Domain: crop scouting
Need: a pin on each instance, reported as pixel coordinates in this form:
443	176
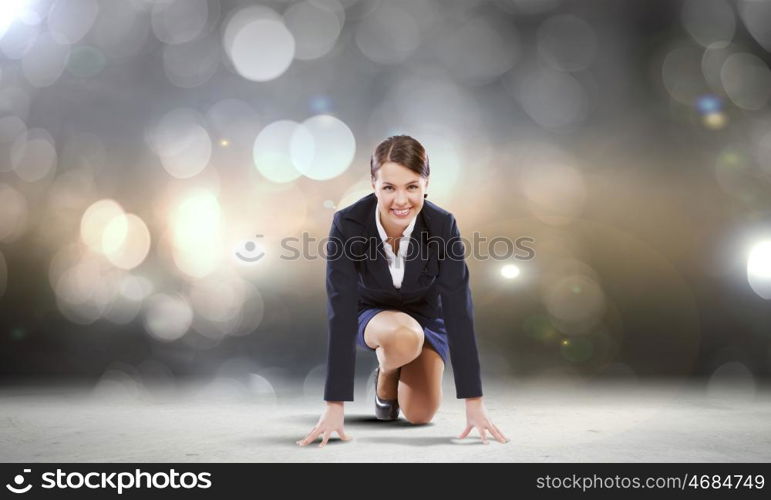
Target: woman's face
400	192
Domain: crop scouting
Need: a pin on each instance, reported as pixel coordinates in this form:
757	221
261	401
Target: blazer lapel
417	256
417	252
375	248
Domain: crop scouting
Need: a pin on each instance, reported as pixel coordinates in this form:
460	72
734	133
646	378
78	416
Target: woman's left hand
476	416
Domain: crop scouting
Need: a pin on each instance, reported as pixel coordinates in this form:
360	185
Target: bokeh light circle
191	64
167	317
70	20
567	43
271	151
389	35
34	155
126	241
315	26
181	142
747	80
709	22
553	99
261	49
179	21
323	147
95	220
45	61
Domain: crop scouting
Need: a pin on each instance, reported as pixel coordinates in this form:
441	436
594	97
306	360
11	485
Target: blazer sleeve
458	312
342	308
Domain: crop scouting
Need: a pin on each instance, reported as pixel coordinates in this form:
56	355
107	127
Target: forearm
342	306
464	354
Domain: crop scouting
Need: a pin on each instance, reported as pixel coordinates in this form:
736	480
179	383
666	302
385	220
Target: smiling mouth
400	213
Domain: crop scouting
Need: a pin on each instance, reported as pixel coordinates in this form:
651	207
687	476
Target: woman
397	284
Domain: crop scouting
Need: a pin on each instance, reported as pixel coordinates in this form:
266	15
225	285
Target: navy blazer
436	282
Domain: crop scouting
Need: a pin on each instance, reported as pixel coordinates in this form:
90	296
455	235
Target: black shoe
385	409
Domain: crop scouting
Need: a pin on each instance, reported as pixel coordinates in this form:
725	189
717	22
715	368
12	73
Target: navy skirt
433	331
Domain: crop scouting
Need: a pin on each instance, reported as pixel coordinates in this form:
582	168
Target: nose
401	199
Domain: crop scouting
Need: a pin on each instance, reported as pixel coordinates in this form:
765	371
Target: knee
418	416
403	344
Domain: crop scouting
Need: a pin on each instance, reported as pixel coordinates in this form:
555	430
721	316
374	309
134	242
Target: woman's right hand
331	420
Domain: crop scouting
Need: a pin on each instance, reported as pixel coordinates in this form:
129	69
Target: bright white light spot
510	271
196	229
759	269
759	263
10	11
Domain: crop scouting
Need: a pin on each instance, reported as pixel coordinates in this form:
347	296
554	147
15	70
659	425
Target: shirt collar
381	230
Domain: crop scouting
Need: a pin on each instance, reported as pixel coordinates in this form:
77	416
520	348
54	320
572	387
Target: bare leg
397	339
420	386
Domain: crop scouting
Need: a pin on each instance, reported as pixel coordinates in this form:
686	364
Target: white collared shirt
395	261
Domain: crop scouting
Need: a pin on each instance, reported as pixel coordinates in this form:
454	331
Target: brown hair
401	149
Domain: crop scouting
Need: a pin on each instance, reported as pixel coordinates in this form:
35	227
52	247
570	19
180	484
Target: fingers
498	434
465	431
483	435
326	438
317	431
311	437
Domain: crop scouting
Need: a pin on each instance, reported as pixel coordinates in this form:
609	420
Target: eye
414	186
388	187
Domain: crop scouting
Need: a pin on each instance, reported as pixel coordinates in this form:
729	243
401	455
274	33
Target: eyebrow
392	184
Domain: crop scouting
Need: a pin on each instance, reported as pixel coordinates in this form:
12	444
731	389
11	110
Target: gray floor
547	421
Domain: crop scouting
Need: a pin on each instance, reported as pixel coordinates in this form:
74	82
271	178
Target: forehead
396	174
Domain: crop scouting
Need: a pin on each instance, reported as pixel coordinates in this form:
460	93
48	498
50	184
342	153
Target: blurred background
150	149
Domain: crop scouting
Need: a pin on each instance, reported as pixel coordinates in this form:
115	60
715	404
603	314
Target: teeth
401	212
